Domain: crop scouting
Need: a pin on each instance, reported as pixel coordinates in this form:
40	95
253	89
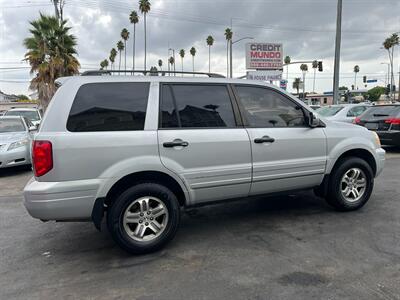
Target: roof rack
144	72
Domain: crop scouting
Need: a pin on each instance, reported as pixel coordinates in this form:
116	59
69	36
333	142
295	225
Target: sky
306	28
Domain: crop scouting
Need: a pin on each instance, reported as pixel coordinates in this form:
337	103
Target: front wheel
144	218
350	184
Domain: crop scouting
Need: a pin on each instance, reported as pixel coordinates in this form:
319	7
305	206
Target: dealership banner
264	56
267	75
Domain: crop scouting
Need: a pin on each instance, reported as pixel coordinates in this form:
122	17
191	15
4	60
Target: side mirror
313	120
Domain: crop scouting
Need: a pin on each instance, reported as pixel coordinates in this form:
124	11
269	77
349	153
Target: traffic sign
283	84
372	80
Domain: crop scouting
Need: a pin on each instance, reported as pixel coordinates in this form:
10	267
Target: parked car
342	112
15	139
385	121
32	114
140	148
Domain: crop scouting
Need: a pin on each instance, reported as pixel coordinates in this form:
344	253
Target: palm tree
296	84
356	70
287	61
160	62
58	8
304	69
228	36
134	19
182	55
120	47
125	37
113	54
314	66
210	42
171	61
193	53
144	7
388	44
153	71
104	64
51	54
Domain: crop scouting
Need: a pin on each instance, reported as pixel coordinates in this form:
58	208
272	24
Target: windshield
11	126
329	111
29	114
382	111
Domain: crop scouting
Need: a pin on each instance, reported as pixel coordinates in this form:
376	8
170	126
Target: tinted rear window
109	107
196	106
381	111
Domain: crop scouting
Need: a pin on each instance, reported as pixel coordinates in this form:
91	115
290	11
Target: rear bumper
17	157
391	138
61	201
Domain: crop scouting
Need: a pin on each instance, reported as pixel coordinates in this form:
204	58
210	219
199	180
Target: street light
230	48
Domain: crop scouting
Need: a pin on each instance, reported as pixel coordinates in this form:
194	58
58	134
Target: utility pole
230	52
337	53
230	59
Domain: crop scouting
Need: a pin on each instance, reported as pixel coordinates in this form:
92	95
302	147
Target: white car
16	134
342	112
32	114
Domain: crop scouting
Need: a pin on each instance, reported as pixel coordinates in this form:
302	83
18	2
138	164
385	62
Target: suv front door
202	140
287	154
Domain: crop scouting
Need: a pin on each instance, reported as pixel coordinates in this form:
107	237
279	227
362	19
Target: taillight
357	120
42	157
393	121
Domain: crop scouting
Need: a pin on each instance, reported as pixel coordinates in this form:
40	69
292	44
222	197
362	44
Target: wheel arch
360	153
146	176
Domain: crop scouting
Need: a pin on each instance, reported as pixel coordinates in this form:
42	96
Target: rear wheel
144	218
350	184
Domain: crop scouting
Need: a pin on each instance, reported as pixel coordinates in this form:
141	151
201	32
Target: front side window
111	106
267	108
196	106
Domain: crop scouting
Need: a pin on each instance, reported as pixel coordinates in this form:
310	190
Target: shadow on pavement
15	171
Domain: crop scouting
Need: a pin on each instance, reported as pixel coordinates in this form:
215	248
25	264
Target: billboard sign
264	56
267	75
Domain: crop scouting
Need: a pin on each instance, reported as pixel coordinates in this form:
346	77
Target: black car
384	120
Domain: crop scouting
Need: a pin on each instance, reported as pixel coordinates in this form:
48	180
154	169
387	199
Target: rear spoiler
61	80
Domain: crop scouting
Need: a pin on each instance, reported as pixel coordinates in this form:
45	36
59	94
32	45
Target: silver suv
138	149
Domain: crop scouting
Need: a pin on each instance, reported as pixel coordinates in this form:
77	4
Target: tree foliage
375	93
51	54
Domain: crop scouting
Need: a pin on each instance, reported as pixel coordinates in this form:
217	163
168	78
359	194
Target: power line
122	7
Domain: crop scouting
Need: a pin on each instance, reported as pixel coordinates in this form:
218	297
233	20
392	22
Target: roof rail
144	72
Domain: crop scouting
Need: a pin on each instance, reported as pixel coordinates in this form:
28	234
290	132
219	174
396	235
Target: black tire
120	205
334	196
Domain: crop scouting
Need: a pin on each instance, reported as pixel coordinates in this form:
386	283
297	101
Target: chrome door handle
175	144
264	139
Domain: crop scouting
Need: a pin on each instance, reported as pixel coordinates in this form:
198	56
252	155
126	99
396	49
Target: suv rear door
201	138
287	154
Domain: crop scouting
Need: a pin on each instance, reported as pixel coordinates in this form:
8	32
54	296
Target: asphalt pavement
288	247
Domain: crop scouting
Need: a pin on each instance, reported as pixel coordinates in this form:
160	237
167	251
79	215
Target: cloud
305	27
